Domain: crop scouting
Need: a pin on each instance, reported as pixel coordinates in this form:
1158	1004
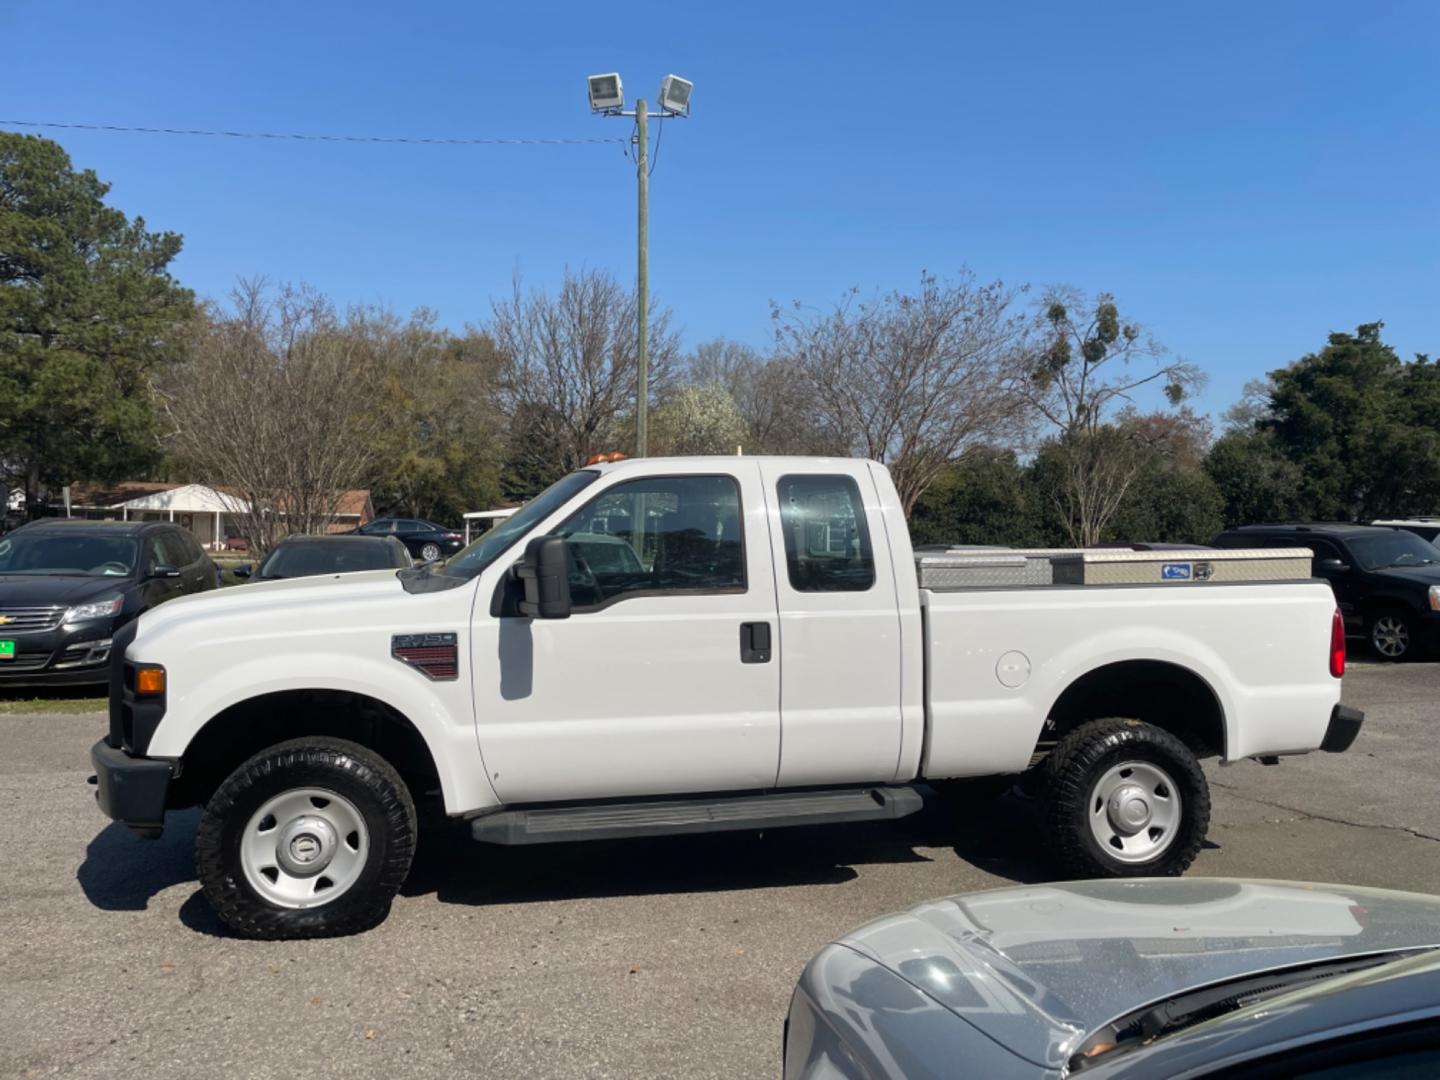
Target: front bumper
1343	728
75	654
131	790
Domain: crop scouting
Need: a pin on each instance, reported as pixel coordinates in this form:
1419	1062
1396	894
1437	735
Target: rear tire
309	838
430	552
1124	799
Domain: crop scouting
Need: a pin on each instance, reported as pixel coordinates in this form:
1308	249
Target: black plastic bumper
1344	726
130	789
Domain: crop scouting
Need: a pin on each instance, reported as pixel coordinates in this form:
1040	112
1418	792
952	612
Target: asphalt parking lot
641	959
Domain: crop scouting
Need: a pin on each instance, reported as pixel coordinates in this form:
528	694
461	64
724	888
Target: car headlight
96	609
1435	597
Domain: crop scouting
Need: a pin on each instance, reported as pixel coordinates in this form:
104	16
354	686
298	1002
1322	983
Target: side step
709	813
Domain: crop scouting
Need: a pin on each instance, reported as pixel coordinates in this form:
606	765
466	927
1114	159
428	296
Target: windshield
475	558
68	555
1397	548
307	558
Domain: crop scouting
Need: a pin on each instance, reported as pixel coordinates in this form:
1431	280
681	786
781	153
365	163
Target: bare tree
1090	364
911	380
571	366
771	393
275	407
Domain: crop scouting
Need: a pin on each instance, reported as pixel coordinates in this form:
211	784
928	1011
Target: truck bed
998	657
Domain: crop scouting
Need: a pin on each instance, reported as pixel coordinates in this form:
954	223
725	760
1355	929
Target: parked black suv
66	586
1386	580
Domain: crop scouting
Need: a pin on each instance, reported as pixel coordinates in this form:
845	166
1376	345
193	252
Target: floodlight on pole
607	98
607	95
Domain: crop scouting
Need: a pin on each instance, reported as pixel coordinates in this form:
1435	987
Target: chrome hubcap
1390	636
1134	811
304	847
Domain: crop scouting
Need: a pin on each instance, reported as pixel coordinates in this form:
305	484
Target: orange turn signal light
601	459
150	680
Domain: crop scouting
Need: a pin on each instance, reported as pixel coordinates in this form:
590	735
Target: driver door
646	689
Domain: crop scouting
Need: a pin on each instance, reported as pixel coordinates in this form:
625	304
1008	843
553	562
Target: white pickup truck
680	645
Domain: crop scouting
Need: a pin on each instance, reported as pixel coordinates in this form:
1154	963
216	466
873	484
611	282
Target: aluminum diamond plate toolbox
1181	567
944	569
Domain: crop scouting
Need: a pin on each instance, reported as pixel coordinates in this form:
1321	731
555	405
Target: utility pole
642	279
607	98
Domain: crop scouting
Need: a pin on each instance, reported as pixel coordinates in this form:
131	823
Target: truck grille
29	620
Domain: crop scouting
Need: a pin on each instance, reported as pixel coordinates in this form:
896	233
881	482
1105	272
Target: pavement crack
1326	817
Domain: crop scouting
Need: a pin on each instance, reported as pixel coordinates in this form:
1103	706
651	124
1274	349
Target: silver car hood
1038	968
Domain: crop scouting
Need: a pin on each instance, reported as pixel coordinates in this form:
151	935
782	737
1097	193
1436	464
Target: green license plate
7	650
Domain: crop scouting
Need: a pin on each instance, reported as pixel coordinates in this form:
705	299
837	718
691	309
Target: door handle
755	643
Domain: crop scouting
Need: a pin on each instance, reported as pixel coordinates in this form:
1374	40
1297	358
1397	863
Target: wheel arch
246	727
1165	694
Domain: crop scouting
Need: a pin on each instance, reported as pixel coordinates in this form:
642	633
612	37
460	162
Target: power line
310	138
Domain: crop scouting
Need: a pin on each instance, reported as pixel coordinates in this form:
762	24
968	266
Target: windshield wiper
1193	1007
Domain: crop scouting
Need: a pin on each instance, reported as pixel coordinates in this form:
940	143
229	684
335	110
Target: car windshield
475	558
1397	548
305	559
68	555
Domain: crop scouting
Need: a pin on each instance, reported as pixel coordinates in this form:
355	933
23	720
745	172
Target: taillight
1337	645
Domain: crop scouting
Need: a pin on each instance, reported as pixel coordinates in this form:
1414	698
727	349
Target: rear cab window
827	540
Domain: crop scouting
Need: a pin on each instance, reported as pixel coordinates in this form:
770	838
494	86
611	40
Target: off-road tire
338	765
1077	764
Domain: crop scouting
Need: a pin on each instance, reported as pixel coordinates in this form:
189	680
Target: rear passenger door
840	698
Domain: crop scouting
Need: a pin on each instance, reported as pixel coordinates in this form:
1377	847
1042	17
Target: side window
1323	550
190	552
676	534
160	551
827	543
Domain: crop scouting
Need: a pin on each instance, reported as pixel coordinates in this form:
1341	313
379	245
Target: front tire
309	838
1124	799
1389	635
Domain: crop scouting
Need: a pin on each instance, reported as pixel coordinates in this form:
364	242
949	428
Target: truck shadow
121	872
998	839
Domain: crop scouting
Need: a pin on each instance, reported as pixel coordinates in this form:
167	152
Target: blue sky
1244	177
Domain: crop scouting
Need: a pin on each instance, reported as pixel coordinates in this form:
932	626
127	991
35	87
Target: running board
710	813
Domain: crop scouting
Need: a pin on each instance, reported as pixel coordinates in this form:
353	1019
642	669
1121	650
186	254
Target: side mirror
164	570
545	572
242	571
1332	566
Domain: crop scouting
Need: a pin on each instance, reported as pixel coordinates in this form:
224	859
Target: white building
214	516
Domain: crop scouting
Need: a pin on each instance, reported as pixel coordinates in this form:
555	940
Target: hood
1037	969
284	598
1420	575
43	590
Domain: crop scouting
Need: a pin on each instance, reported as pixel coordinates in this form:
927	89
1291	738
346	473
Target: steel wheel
1390	636
304	847
430	552
1134	811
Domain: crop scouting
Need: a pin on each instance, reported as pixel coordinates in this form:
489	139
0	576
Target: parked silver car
1141	978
